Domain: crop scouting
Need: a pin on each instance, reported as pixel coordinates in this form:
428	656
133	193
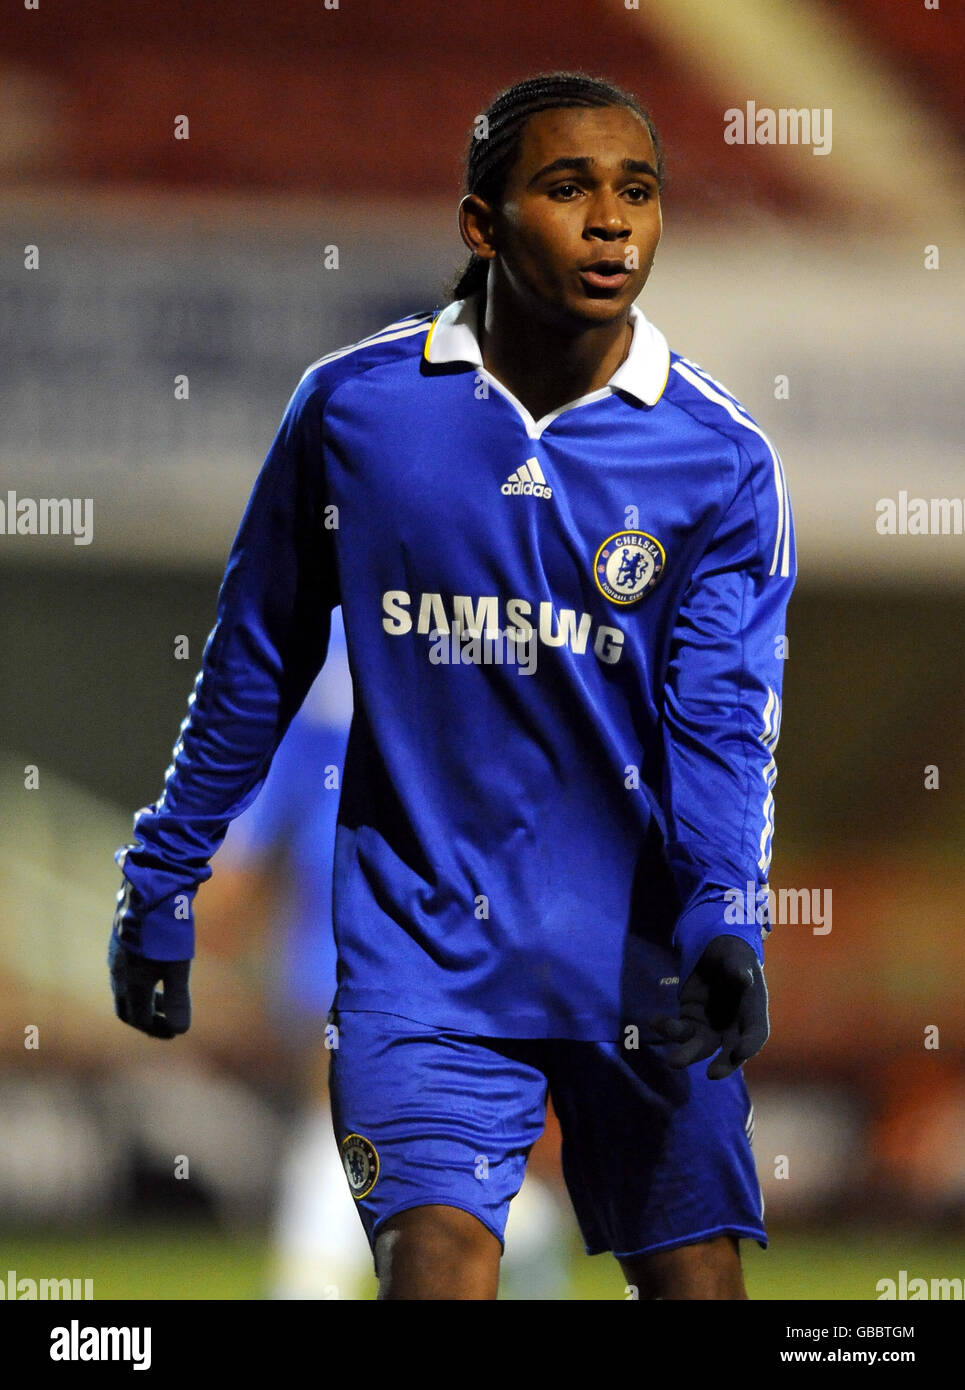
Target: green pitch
197	1264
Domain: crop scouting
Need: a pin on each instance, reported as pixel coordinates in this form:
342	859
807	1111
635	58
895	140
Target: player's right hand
161	1013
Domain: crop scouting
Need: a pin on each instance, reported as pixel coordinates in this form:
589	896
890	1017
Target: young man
544	828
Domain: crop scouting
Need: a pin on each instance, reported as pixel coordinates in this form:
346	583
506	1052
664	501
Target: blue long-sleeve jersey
566	645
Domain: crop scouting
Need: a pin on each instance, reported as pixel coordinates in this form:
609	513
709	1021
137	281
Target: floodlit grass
147	1263
191	1263
839	1266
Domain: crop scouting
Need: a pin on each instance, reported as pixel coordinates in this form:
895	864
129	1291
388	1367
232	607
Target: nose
607	217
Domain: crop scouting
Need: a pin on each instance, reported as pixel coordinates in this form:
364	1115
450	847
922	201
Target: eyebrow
584	164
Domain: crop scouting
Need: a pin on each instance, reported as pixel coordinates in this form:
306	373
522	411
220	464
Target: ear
476	226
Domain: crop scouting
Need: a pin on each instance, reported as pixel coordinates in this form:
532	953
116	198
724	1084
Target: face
580	221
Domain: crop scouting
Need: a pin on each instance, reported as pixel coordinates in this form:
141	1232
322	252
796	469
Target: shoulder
760	485
396	342
709	405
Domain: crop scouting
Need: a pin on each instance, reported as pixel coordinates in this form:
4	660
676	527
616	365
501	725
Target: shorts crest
361	1163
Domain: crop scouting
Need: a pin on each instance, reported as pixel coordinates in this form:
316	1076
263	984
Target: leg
436	1252
434	1129
658	1160
709	1269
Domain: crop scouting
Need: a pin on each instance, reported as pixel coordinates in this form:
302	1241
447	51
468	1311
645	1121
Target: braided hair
491	157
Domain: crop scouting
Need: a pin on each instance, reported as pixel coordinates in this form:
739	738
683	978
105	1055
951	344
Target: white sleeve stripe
772	720
785	560
383	336
712	380
780	484
780	514
767	833
769	737
769	709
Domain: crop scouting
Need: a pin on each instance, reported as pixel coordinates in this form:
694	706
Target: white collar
643	373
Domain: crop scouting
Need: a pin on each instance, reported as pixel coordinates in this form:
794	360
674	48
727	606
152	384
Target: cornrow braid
492	155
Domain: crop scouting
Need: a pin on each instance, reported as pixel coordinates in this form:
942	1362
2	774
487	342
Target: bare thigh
708	1269
436	1252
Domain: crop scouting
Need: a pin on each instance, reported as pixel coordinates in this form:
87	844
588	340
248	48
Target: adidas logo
527	481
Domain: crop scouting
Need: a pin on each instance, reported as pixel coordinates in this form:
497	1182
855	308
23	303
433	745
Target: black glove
162	1013
723	1004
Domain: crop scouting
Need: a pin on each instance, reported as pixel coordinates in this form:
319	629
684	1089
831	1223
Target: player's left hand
723	1006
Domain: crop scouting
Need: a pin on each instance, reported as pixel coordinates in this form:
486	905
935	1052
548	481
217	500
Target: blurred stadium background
312	128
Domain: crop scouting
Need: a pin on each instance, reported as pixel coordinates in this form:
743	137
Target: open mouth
606	276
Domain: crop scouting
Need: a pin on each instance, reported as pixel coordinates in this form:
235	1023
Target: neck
546	364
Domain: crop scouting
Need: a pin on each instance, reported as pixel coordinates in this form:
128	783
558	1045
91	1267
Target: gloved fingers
138	996
159	1012
727	1061
702	1045
751	1040
160	1028
737	1048
135	997
694	998
175	1003
674	1029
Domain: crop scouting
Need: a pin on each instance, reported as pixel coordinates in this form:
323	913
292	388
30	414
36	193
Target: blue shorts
652	1157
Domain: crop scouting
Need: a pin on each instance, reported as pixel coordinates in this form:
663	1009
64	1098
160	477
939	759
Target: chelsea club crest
361	1164
627	565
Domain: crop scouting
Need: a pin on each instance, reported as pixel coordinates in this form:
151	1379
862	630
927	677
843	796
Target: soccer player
563	554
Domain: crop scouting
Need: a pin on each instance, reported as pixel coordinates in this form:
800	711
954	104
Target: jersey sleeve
315	741
722	712
266	824
268	643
